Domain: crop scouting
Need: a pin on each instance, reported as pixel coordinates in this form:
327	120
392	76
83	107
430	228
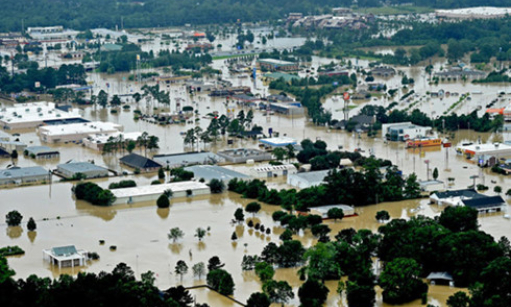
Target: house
453	198
71	169
307	179
270	171
4	154
152	192
487	204
41	152
22	175
141	163
383	71
188	158
403	131
210	172
274	65
323	210
65	256
431	185
244	155
289	108
440	278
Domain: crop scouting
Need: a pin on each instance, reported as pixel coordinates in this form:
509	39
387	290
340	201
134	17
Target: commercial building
41	152
210	172
478	151
278	142
293	108
403	131
277	75
75	132
152	192
244	155
270	171
141	163
323	210
188	158
307	179
13	145
488	204
431	185
98	141
89	170
4	136
65	256
273	65
470	198
34	114
480	12
56	34
383	71
23	175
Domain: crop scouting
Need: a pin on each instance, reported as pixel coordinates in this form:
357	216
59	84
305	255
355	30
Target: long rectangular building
75	132
32	115
152	192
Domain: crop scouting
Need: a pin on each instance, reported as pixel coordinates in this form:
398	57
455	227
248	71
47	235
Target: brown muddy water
140	231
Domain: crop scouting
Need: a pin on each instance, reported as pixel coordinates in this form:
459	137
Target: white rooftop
35	112
486	148
480	10
104	137
266	168
280	141
159	189
80	128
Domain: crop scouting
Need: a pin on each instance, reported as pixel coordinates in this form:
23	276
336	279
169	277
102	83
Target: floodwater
140	231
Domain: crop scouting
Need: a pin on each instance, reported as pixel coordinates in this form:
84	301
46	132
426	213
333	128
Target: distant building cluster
340	18
480	12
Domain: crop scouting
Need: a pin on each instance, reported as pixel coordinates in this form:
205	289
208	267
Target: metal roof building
21	175
41	152
71	169
31	115
142	163
307	179
185	159
209	172
152	192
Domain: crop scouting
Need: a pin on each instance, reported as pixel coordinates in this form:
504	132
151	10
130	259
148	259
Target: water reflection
163	213
14	232
32	235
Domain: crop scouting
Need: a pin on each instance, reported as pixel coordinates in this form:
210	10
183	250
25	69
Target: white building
97	141
75	132
307	179
65	256
323	210
480	150
278	142
34	114
270	171
152	192
403	131
432	185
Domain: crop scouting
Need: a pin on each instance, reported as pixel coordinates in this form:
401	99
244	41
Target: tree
320	230
199	269
459	219
221	281
163	201
458	299
148	278
13	218
216	186
279	153
253	208
335	213
181	268
435	173
214	263
264	271
382	216
103	99
494	289
497	189
234	236
400	281
279	292
312	293
286	235
5	272
412	187
116	101
258	299
239	216
31	225
200	233
175	234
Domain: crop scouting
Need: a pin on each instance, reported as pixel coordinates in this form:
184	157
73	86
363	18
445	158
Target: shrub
13	218
163	201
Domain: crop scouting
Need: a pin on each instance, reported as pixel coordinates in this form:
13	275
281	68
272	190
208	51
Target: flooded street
140	231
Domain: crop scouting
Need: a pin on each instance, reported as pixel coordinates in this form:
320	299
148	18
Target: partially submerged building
210	172
65	256
23	175
152	192
469	198
403	131
274	65
307	179
323	210
34	114
188	158
141	163
41	152
76	132
245	155
71	169
270	171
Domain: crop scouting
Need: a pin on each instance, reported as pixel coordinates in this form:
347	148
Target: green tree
221	281
412	187
31	225
335	213
13	218
312	293
234	236
382	216
435	173
5	272
279	292
264	271
253	208
116	101
175	234
163	201
400	281
216	186
494	289
102	99
161	173
200	233
199	269
497	189
239	216
258	299
459	219
279	153
286	235
214	263
181	268
458	299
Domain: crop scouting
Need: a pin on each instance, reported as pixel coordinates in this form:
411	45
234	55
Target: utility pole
427	169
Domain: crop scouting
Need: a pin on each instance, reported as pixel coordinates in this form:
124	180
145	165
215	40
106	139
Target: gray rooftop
64	250
20	172
312	177
80	167
209	172
184	159
36	150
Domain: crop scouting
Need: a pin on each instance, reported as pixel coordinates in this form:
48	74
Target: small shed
65	256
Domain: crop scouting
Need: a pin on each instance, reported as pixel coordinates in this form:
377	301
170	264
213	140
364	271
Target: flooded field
139	231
